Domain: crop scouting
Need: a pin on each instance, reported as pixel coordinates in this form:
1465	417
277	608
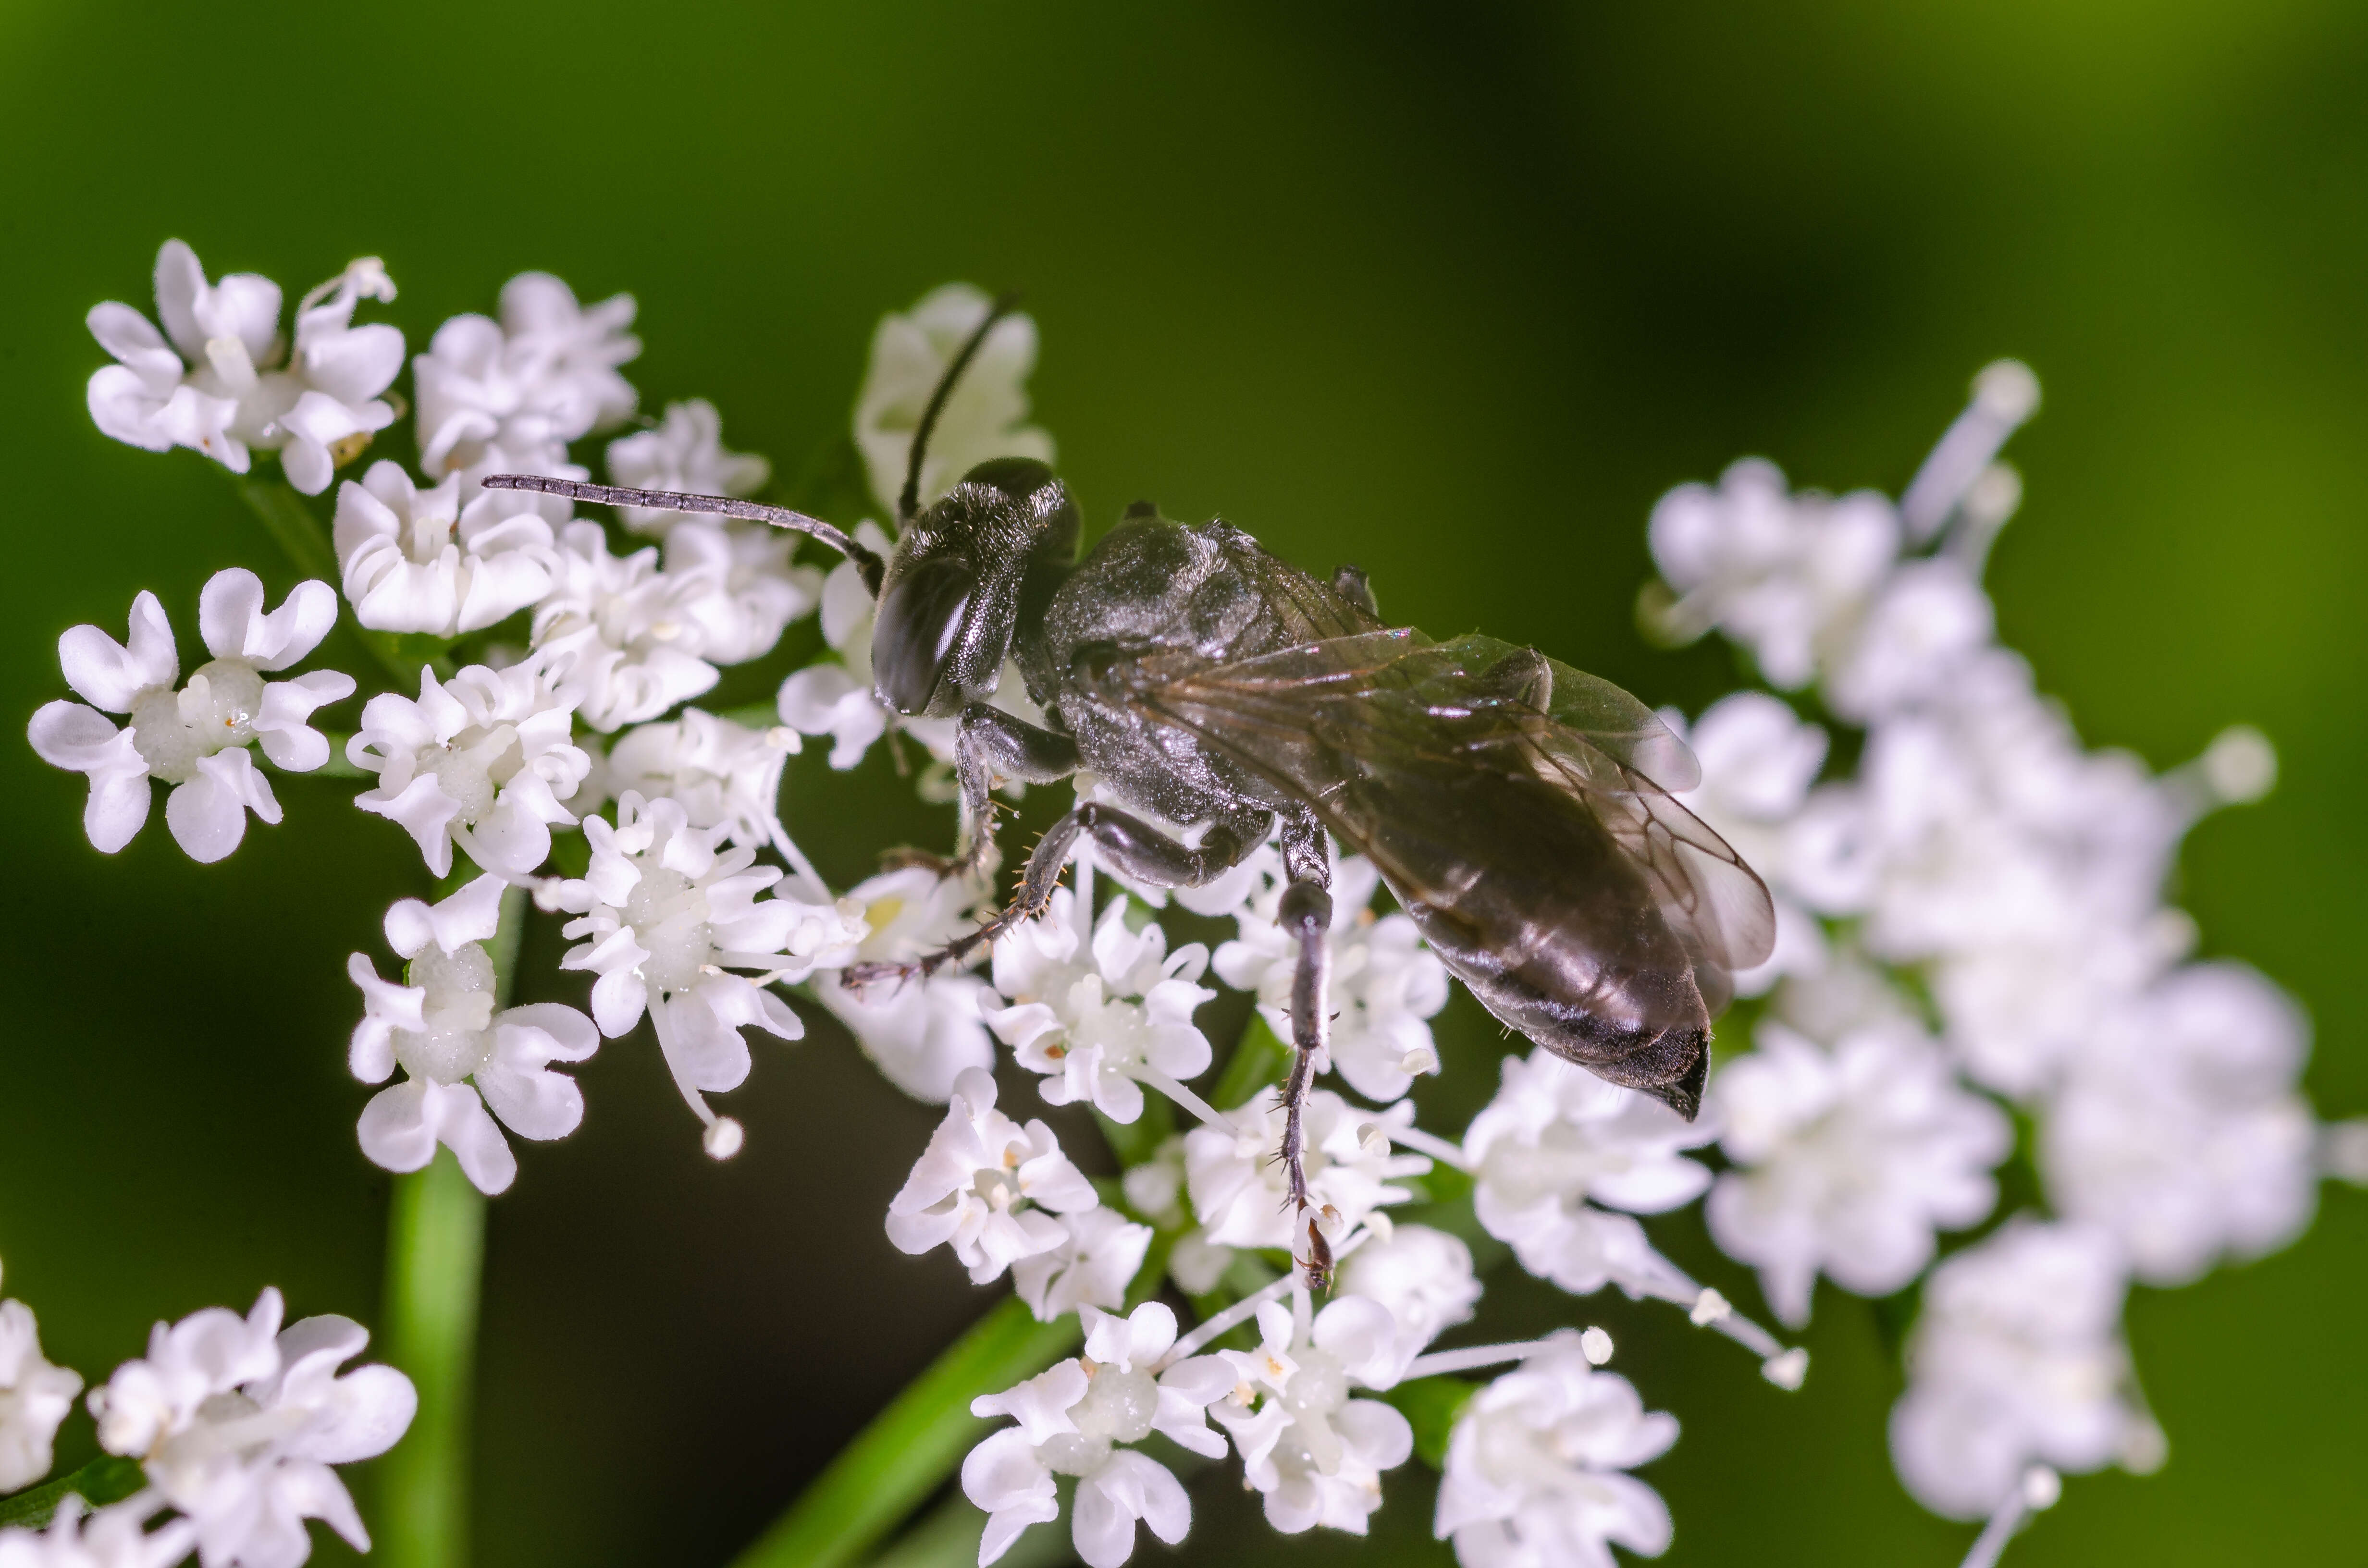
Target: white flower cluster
236	1424
1976	911
552	661
1974	914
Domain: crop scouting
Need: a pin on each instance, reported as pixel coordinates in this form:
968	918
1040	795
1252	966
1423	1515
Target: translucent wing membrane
1520	808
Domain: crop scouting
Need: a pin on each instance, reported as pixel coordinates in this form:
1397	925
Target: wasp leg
992	742
1307	914
1136	848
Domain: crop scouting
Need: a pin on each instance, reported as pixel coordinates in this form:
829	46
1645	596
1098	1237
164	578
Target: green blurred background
1454	292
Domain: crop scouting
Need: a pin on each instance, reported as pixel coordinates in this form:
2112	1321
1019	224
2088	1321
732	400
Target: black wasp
1517	808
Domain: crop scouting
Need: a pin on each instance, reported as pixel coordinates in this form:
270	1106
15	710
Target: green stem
436	1253
104	1480
910	1448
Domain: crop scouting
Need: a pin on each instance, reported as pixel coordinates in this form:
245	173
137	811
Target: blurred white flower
1092	1266
2178	1129
983	416
1927	623
619	635
1316	1453
2018	1357
417	561
988	1187
1536	1471
1784	576
545	374
441	1029
221	385
116	1537
1096	1018
1422	1278
1238	1185
739	589
685	451
195	737
1383	983
481	761
237	1422
1073	1419
924	1034
1848	1161
35	1396
1557	1137
665	913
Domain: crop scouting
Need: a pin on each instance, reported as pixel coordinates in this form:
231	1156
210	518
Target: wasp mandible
1517	809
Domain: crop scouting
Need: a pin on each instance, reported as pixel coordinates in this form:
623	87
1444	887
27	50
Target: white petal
108	676
208	814
394	1130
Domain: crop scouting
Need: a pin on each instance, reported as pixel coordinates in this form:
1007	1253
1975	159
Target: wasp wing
1516	806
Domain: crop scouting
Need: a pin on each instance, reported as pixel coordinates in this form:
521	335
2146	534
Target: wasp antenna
909	500
866	562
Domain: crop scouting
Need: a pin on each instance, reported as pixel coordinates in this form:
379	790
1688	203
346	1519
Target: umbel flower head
419	560
193	736
225	383
1536	1471
237	1422
988	1187
542	376
982	419
481	761
664	912
460	1057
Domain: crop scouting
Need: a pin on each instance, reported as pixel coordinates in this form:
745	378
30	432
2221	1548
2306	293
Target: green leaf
1430	1406
104	1480
911	1448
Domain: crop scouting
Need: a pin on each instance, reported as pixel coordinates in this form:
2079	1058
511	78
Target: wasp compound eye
923	608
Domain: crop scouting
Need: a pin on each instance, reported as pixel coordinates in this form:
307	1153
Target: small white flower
481	761
665	913
982	419
1536	1472
1783	576
1075	1419
454	1048
620	635
1238	1187
1848	1161
724	774
1092	1268
988	1187
35	1396
1557	1136
1314	1453
925	1034
684	452
226	391
545	374
1383	982
237	1422
1091	1017
739	588
2178	1130
2018	1357
194	738
418	560
1422	1278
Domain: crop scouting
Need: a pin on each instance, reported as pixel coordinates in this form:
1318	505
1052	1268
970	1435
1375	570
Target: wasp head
996	545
